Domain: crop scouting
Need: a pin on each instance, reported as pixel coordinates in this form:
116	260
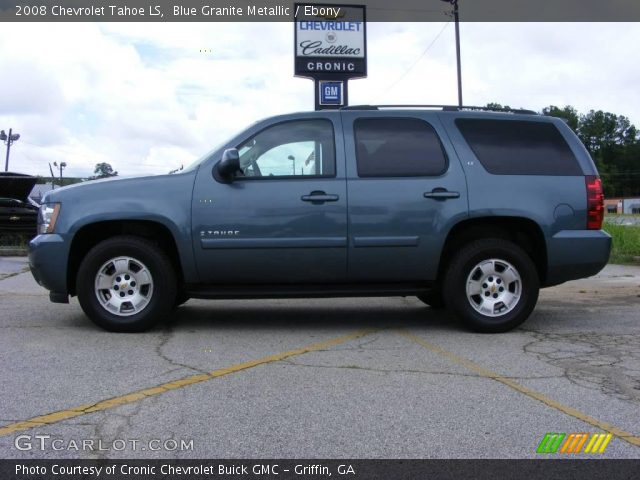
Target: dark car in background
18	216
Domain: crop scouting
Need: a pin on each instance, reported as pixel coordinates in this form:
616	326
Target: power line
419	58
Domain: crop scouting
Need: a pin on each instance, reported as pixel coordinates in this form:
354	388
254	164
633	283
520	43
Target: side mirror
229	164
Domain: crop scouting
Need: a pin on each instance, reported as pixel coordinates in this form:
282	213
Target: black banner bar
284	11
271	469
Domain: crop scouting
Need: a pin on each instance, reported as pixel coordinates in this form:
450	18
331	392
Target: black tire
463	265
160	299
433	298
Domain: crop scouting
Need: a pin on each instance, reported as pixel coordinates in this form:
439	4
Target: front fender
162	199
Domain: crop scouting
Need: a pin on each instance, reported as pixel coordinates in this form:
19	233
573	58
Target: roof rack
444	108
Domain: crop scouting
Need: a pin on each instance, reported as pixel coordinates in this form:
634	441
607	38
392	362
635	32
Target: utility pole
8	141
53	183
456	19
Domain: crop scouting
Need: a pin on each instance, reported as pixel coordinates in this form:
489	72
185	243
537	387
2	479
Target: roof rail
444	108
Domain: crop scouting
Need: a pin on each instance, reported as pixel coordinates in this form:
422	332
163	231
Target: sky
149	97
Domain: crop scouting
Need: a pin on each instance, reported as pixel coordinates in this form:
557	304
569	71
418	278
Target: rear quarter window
516	147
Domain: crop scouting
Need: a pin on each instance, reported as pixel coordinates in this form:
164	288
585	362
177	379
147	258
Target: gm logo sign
331	92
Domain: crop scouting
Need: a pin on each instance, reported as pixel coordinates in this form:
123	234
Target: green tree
612	141
497	106
568	113
104	170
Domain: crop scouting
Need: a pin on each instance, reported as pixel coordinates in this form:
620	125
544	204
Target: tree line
101	170
614	144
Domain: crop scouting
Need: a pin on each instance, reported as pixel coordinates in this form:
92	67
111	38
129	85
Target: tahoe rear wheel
126	284
491	285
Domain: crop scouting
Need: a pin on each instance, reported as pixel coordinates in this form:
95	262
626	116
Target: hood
94	188
16	185
55	195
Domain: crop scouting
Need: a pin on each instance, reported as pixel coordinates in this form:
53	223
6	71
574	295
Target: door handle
319	197
441	194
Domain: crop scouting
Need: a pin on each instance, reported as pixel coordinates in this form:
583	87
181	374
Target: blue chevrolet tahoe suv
464	208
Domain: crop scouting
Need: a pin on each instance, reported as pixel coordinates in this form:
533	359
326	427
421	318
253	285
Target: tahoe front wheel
126	284
491	285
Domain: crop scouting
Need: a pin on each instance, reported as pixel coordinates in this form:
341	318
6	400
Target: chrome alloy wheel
124	286
494	287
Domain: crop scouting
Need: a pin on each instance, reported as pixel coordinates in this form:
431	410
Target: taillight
595	202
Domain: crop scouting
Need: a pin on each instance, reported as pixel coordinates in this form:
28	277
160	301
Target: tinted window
298	148
511	147
397	147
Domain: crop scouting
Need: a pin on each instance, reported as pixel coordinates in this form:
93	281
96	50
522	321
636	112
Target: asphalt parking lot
336	378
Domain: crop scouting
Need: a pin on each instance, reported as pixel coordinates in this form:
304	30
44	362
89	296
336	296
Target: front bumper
574	254
48	256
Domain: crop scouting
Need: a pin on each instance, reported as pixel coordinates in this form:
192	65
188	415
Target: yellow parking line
484	372
55	417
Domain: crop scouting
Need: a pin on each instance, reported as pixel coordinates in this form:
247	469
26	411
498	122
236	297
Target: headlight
47	216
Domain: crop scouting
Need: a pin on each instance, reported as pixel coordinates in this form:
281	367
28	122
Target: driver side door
283	218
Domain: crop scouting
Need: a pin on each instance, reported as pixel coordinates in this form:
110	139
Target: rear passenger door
406	189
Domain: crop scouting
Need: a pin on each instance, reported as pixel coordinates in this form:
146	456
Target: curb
13	252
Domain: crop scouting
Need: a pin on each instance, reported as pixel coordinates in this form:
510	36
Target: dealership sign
330	41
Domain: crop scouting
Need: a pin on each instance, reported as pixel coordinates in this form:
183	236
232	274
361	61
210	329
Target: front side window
300	148
397	147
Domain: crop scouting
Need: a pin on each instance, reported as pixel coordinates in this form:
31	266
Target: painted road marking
484	372
61	415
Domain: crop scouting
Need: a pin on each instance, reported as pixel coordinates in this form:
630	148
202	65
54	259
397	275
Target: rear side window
397	147
513	147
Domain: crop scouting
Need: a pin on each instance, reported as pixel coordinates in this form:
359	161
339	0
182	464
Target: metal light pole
8	141
293	159
62	165
457	22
